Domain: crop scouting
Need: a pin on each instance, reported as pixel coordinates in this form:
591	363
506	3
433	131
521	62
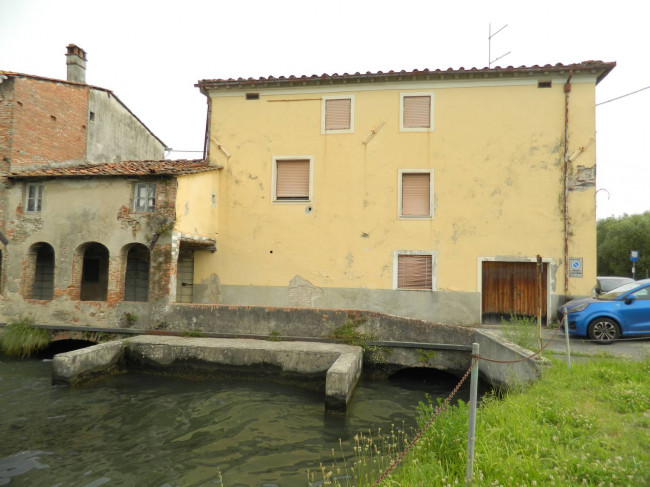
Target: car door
636	314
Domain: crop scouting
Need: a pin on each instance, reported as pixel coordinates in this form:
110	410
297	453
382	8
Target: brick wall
49	122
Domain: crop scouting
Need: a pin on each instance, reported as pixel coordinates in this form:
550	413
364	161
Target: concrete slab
339	364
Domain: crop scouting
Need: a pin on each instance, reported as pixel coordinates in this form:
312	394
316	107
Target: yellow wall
197	205
496	152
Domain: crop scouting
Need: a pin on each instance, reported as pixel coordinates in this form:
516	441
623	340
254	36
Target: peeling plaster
303	293
583	178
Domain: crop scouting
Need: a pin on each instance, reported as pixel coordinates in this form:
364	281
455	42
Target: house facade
427	194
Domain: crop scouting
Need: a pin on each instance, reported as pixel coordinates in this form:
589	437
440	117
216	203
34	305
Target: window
145	197
414	193
34	200
292	179
337	114
416	110
414	270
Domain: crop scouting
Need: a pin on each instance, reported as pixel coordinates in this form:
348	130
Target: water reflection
158	431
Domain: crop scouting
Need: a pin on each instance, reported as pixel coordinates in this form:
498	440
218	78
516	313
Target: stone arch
136	272
91	271
38	278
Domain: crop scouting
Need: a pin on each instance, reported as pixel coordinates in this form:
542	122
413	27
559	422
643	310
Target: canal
146	430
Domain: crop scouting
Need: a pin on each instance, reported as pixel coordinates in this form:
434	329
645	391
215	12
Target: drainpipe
567	90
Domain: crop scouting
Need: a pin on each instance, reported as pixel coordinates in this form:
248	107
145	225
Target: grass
521	330
20	339
589	425
348	334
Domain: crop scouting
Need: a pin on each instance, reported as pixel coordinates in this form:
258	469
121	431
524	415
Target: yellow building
426	194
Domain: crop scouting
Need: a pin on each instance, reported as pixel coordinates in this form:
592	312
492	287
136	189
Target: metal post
471	426
566	337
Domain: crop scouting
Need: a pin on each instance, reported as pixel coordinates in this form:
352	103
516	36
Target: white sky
151	53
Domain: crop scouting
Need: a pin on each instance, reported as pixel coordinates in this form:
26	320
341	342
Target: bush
21	339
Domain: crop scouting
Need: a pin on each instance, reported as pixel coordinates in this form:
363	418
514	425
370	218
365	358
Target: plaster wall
496	154
115	134
197	204
76	212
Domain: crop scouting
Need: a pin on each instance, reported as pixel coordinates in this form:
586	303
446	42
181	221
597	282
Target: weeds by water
20	339
349	334
585	426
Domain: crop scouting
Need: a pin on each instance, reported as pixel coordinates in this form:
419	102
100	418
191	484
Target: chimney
76	62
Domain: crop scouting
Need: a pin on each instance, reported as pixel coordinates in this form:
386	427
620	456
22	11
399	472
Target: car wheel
603	330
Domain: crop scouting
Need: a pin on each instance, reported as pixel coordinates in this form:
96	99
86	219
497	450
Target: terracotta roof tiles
125	168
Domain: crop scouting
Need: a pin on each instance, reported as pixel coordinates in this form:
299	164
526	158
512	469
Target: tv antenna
490	36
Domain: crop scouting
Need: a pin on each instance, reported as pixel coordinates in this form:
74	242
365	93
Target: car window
607	285
643	294
619	291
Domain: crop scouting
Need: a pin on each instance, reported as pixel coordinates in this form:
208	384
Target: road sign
634	255
575	267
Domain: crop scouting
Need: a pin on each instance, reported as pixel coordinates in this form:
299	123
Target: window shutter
417	112
414	271
415	194
292	180
337	114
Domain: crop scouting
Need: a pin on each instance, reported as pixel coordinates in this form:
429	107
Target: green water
145	430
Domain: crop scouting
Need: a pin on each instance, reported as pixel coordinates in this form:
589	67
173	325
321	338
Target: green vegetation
21	339
130	318
521	330
348	334
275	336
585	426
425	355
616	237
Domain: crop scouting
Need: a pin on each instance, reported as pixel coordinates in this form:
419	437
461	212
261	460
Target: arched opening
136	277
41	263
94	273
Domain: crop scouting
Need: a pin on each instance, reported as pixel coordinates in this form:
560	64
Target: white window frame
274	179
400	173
39	199
146	209
402	128
323	113
433	255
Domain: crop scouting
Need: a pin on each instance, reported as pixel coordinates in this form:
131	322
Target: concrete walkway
340	365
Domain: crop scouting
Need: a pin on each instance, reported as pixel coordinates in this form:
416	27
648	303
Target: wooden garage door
511	288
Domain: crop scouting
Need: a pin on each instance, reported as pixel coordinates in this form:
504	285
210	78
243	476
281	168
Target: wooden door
511	288
185	277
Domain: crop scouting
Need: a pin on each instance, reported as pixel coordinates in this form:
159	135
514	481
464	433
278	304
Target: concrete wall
115	134
496	158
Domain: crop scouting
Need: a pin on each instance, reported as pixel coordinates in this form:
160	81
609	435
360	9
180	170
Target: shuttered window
338	114
292	179
417	111
414	271
416	197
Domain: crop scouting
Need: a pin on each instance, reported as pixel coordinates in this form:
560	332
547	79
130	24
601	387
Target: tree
616	237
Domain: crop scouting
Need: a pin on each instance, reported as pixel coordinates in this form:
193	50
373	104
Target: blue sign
634	255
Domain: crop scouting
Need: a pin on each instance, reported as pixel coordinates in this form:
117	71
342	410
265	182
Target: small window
292	179
415	190
414	270
145	197
416	112
544	84
252	96
338	114
34	198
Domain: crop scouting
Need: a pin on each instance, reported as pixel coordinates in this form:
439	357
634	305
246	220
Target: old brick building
87	203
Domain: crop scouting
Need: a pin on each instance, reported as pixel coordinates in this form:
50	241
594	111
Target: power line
622	96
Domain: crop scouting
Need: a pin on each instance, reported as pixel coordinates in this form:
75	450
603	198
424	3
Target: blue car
622	312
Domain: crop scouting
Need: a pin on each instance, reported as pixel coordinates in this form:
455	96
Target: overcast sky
151	53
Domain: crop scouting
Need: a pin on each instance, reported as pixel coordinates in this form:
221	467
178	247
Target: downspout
567	90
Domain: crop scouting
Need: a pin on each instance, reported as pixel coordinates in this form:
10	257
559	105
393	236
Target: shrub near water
21	339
